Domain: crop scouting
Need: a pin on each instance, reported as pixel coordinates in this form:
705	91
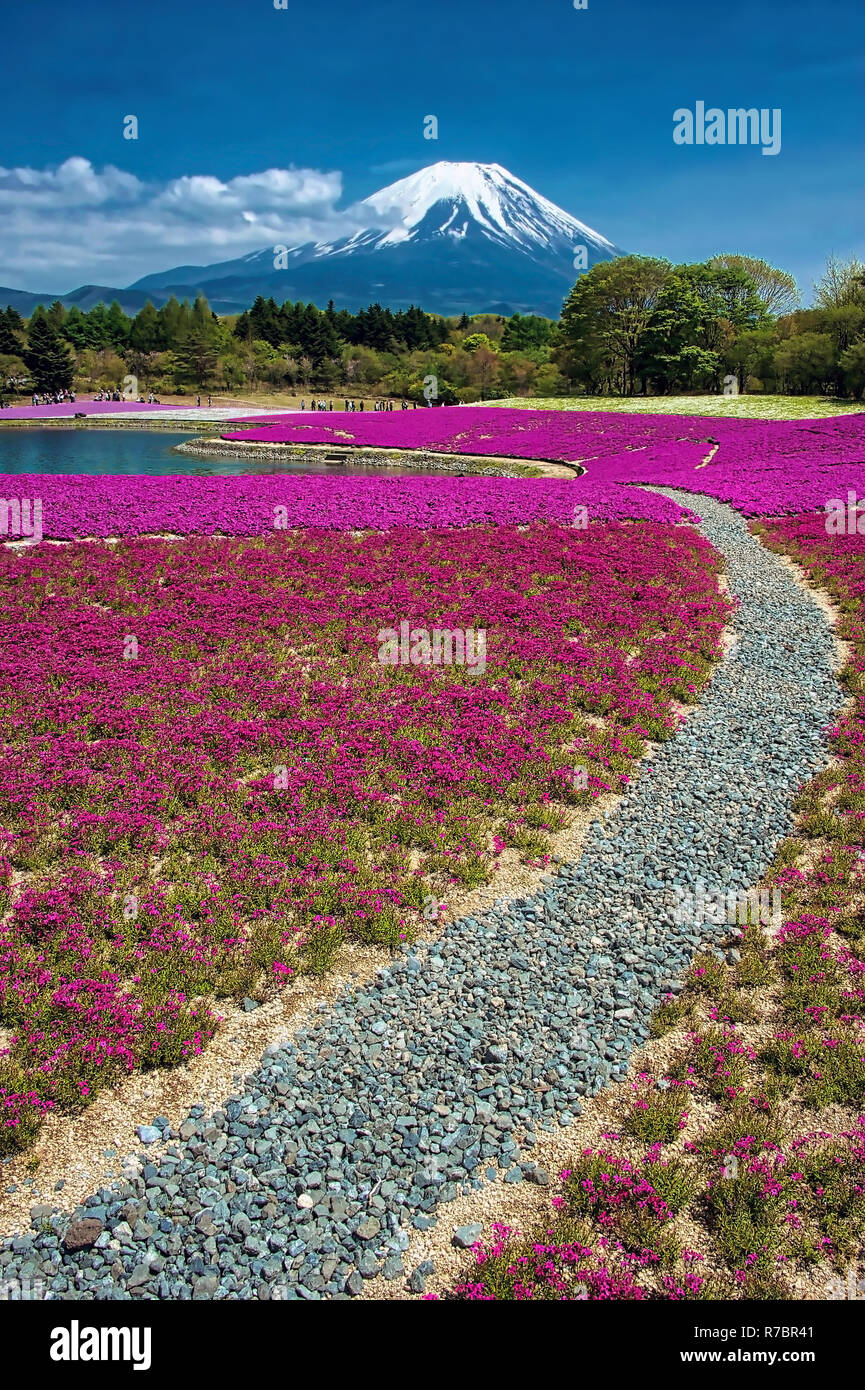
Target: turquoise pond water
61	449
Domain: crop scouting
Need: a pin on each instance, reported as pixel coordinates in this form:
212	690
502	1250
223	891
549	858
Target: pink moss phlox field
837	563
760	467
208	814
105	505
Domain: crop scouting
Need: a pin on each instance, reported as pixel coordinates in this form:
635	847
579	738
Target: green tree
74	329
477	340
752	355
98	329
843	282
607	316
852	363
806	362
197	352
694	323
46	356
119	325
526	334
10	342
146	330
776	289
172	321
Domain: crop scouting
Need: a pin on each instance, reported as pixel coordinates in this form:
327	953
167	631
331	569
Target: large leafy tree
607	317
526	333
776	289
852	363
842	283
806	363
697	317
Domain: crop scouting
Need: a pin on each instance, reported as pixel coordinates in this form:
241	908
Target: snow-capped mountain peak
498	203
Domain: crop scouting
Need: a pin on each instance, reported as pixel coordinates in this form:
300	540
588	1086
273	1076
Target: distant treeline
633	324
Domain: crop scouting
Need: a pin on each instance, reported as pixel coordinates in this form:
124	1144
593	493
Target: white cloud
73	224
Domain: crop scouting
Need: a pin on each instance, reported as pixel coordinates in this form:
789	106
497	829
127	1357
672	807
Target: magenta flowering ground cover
760	467
210	780
247	506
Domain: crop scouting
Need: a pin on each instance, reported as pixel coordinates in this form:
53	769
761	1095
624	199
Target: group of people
352	405
54	397
61	398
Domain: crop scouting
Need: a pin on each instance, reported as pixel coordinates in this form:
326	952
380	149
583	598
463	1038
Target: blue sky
577	103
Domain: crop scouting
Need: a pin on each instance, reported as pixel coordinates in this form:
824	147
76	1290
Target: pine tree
118	326
170	317
46	356
145	333
10	343
98	329
197	353
243	328
74	330
265	320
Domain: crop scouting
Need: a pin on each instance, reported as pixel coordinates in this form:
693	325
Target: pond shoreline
426	459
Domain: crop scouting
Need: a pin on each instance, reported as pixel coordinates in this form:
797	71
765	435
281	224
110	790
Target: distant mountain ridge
452	238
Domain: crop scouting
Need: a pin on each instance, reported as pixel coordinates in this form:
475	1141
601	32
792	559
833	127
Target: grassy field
741	407
745	407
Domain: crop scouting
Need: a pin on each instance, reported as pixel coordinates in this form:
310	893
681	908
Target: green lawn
747	407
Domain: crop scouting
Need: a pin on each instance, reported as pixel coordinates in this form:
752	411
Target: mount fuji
452	238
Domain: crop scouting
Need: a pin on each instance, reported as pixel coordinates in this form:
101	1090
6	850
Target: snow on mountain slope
504	207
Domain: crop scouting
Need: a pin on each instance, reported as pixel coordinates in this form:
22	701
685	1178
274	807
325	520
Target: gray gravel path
416	1088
